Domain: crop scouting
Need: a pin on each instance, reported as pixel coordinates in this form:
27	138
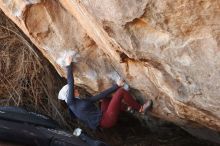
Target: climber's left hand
68	60
120	82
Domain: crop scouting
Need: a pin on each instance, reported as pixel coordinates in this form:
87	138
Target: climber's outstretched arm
104	94
70	80
108	91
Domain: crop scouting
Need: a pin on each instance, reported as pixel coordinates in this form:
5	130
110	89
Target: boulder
167	51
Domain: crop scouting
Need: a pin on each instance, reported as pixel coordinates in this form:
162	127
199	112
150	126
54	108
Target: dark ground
130	132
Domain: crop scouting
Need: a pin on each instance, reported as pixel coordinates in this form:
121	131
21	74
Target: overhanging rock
168	50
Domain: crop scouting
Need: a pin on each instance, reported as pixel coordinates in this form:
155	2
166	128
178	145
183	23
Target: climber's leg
110	116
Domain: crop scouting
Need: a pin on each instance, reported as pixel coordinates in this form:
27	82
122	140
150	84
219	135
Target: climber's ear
76	92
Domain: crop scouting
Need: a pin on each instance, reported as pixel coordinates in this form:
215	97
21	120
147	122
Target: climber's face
76	92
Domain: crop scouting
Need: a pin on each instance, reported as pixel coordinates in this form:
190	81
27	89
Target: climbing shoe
146	106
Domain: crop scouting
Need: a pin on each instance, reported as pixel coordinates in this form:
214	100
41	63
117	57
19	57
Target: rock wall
169	51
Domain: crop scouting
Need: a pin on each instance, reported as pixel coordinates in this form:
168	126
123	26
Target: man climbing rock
85	109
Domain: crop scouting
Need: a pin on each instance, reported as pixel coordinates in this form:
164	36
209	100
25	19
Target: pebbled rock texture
169	51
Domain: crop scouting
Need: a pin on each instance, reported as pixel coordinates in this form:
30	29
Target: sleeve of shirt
104	93
73	116
70	82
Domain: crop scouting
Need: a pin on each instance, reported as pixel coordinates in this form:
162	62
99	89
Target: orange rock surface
169	51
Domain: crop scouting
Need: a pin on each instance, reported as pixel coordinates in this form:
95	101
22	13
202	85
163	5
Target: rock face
169	50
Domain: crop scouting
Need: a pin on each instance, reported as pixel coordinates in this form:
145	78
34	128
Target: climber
85	109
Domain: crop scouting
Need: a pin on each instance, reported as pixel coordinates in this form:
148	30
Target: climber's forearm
70	81
104	93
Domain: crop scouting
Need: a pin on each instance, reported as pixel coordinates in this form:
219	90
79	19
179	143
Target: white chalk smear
90	74
33	1
64	54
114	76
